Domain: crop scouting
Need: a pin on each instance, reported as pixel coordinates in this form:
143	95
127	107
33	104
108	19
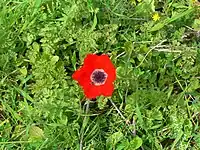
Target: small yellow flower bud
156	17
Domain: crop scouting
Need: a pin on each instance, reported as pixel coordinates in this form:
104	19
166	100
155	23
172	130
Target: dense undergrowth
155	104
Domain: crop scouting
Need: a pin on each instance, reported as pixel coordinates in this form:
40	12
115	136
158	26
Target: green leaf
23	71
24	94
114	139
151	4
196	24
54	59
35	133
36	46
128	46
74	60
135	143
157	27
102	101
139	115
179	15
36	7
194	84
95	20
180	134
157	115
160	25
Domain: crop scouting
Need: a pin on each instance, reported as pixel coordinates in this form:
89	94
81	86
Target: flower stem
85	121
126	120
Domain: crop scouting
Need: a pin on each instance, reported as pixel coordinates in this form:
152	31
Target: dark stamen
98	77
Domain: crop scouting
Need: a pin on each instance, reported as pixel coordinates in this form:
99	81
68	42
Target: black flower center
98	77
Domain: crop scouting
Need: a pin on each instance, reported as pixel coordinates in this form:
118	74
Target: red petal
82	75
90	59
104	62
92	91
108	89
77	74
88	65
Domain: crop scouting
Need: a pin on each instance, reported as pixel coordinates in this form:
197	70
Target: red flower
96	76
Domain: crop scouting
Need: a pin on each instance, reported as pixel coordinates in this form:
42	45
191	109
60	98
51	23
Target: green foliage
155	104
